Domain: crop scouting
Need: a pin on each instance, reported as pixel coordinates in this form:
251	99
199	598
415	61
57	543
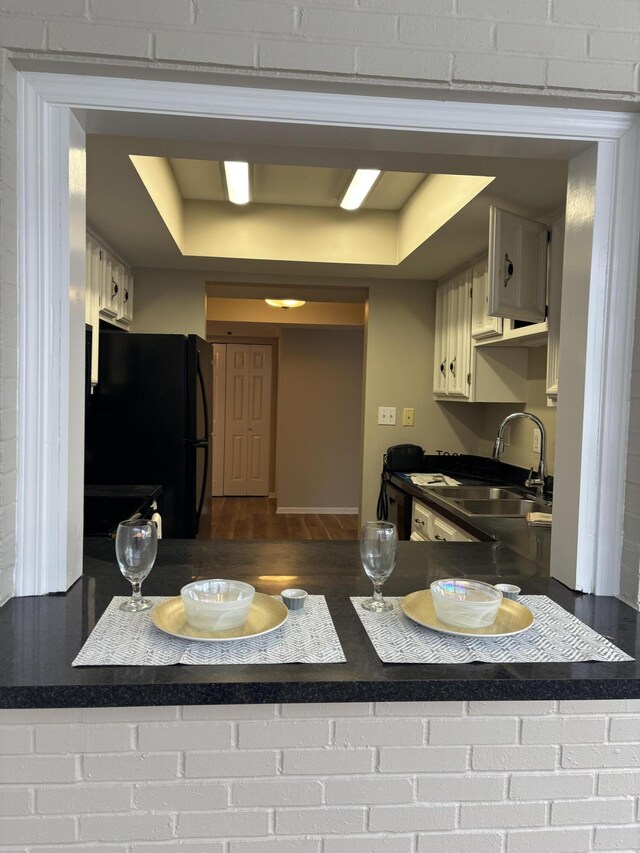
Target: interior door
236	419
218	418
247	419
259	421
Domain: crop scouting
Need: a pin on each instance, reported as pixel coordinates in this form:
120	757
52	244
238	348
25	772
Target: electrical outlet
407	417
387	415
536	440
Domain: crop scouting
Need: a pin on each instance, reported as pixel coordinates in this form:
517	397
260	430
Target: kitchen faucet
539	480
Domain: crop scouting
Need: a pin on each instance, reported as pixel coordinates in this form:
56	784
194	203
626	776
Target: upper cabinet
480	358
453	337
483	325
517	275
108	295
462	370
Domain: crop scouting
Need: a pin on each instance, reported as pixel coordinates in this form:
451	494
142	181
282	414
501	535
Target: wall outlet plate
536	440
387	415
407	417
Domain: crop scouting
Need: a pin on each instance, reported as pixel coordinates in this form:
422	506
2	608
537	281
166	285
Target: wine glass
136	548
378	551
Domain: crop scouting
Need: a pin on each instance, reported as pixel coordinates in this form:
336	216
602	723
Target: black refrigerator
149	421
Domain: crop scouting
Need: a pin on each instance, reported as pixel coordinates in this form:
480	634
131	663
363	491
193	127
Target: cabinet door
556	254
421	520
517	266
482	324
110	286
440	363
125	317
442	530
459	336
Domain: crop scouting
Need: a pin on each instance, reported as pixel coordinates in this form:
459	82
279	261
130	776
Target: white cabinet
108	295
428	524
556	254
453	337
112	281
462	370
125	313
483	325
517	266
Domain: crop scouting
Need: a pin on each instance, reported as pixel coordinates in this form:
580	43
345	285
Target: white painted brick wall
118	786
231	790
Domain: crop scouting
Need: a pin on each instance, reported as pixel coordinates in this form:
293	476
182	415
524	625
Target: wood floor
255	518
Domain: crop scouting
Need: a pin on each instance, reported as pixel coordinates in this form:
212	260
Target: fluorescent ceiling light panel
237	177
359	188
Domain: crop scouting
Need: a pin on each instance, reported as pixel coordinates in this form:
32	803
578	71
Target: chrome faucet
538	481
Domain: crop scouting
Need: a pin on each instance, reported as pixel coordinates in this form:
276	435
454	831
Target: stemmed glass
378	551
136	548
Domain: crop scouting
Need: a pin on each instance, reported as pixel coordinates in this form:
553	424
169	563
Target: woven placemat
555	637
131	639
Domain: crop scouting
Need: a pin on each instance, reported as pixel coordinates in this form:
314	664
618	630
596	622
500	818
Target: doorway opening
387	134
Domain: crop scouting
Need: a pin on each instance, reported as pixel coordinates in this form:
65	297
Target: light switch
407	417
387	415
536	440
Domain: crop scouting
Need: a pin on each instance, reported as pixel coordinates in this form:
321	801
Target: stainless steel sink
482	493
504	508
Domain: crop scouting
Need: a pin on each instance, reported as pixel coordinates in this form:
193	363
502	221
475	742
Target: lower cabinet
399	511
428	524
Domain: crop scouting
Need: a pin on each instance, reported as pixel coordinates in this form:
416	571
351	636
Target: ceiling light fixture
285	303
359	188
237	177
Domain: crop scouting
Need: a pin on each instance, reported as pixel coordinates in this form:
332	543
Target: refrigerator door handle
203	442
203	488
205	402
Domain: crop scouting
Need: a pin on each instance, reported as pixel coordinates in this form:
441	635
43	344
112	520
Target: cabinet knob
115	287
126	296
452	366
440	538
419	521
442	367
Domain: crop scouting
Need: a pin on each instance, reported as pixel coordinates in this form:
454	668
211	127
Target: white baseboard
317	510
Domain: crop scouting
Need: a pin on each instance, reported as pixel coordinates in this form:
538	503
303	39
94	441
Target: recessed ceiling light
285	303
359	188
237	178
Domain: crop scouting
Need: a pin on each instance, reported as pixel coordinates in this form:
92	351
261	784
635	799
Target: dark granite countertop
40	636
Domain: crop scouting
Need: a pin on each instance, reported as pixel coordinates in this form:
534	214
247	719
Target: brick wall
394	778
450	777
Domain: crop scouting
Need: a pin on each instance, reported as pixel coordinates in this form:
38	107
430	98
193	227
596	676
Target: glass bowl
465	603
218	604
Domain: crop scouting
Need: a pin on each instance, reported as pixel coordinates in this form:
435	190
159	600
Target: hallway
255	518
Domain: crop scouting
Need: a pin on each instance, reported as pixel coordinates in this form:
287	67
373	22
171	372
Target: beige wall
166	301
319	413
399	372
521	450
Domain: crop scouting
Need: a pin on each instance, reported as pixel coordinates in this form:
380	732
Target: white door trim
45	100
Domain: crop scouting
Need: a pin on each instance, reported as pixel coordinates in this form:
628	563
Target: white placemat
131	639
555	637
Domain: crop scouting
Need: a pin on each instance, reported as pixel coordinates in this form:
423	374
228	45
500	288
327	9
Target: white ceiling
530	179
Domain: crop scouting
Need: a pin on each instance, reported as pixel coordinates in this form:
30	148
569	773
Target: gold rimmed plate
266	614
512	618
